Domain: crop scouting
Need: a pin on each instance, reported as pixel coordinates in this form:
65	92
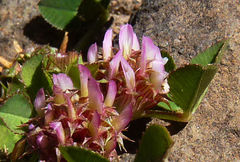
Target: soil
184	28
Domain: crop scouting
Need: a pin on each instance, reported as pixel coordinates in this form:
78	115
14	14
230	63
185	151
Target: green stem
174	116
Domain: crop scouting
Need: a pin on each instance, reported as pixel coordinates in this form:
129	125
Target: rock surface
185	28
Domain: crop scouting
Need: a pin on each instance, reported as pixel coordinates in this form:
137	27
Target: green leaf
154	145
16	111
75	154
188	84
170	65
211	55
171	107
93	68
29	69
74	74
59	12
14	87
7	138
34	77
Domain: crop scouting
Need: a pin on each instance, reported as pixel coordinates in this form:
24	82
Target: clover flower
94	116
73	118
139	74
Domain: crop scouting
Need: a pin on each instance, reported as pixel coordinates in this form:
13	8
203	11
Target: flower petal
58	128
149	52
114	64
95	95
126	39
84	75
94	124
120	122
70	109
110	146
49	115
129	75
107	45
135	45
92	53
39	102
158	74
58	95
111	94
62	81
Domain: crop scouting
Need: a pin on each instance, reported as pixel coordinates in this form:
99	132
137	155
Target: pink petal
114	64
70	109
94	124
111	94
92	53
135	45
95	95
110	146
58	95
58	128
149	52
129	74
62	81
84	75
107	45
158	75
120	122
39	102
48	115
126	39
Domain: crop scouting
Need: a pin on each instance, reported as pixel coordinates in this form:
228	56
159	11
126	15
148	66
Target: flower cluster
140	74
93	117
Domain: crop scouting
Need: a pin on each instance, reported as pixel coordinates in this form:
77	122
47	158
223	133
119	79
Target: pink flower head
62	81
84	75
94	116
126	39
39	102
107	45
92	53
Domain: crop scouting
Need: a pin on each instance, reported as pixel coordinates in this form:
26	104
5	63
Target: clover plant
59	108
